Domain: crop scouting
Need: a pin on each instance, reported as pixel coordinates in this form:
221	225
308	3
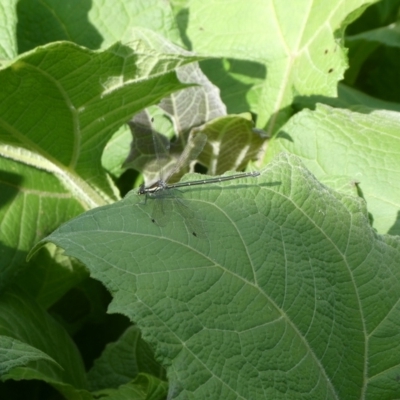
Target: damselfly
166	195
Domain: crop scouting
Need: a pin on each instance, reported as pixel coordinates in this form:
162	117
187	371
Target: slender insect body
164	193
162	185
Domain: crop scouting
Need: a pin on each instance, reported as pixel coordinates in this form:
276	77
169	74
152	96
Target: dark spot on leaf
330	70
153	221
326	51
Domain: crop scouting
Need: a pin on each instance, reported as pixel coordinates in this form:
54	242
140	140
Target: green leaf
112	87
50	275
55	21
122	361
362	147
378	76
195	105
144	387
299	44
145	127
240	82
8	22
94	24
60	104
175	117
28	194
116	151
232	143
23	320
291	294
14	353
377	15
362	46
388	35
348	97
359	51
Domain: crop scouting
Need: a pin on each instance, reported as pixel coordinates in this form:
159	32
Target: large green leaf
362	147
43	349
90	94
123	361
60	104
300	43
291	295
93	24
14	353
27	195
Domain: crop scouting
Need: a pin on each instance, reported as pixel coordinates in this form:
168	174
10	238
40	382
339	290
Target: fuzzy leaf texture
299	44
59	105
290	295
360	147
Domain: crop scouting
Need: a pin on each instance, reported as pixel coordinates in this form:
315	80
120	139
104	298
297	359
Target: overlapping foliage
291	292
